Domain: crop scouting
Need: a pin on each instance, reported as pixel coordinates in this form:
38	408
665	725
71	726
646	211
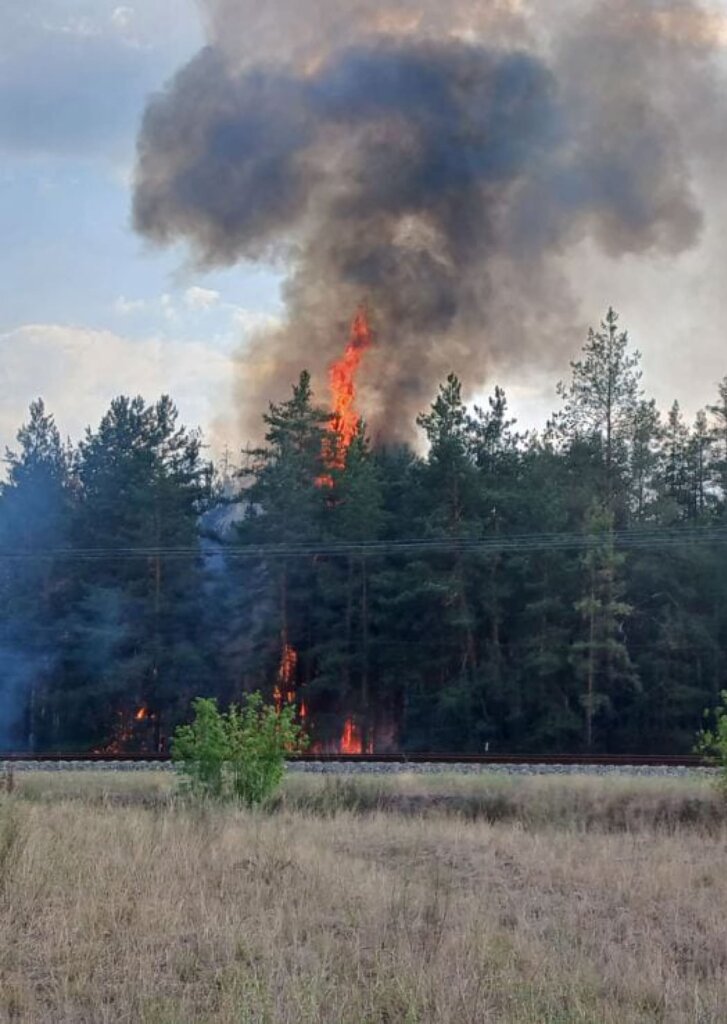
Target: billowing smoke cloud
434	161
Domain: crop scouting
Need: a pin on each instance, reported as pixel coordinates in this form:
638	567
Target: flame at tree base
352	740
131	732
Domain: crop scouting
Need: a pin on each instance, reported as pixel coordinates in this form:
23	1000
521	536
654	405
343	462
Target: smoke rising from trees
435	162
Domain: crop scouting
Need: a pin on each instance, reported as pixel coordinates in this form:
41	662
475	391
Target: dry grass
145	788
581	802
163	914
613	803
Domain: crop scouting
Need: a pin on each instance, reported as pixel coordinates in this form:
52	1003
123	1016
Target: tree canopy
491	590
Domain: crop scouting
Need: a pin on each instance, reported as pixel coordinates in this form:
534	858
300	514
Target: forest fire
351	741
342	380
130	731
345	422
284	692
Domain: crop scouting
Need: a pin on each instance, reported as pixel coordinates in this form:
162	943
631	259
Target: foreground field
539	901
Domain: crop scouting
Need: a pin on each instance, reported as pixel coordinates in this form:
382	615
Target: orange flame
342	379
284	692
125	735
351	742
288	665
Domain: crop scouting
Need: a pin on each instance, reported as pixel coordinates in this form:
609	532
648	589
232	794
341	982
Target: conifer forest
486	589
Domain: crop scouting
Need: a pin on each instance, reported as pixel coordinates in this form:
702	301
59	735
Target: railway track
585	760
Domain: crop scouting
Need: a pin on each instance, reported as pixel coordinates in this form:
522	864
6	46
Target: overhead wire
665	537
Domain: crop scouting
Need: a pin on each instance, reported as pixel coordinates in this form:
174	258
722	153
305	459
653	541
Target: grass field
364	901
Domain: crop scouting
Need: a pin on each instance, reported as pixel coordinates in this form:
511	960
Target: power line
666	537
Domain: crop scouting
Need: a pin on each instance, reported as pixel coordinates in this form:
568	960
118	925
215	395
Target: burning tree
345	420
308	476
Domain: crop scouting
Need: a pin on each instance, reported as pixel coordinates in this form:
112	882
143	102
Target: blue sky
88	310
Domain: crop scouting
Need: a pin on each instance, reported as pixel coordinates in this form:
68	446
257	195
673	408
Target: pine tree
543	619
644	460
718	412
348	588
675	471
144	485
601	402
287	493
602	658
699	468
444	584
35	509
495	451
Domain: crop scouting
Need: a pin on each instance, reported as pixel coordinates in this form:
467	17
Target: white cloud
124	306
251	320
176	308
77	371
199	299
121	173
125	25
122	18
82	27
121	22
168	308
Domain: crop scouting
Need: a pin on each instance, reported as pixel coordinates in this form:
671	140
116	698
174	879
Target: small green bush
238	754
712	743
201	749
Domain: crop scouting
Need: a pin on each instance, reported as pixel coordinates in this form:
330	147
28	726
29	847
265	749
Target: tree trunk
283	598
590	683
348	630
366	724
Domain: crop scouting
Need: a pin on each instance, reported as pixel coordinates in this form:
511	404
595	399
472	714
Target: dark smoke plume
434	160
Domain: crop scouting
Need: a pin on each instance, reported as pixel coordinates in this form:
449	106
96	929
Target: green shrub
712	743
201	749
239	754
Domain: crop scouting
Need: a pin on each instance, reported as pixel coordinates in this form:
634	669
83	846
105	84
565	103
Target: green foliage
143	484
202	749
141	594
35	517
712	743
238	754
601	656
284	474
259	737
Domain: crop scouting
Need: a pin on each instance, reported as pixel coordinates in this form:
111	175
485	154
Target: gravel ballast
381	768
